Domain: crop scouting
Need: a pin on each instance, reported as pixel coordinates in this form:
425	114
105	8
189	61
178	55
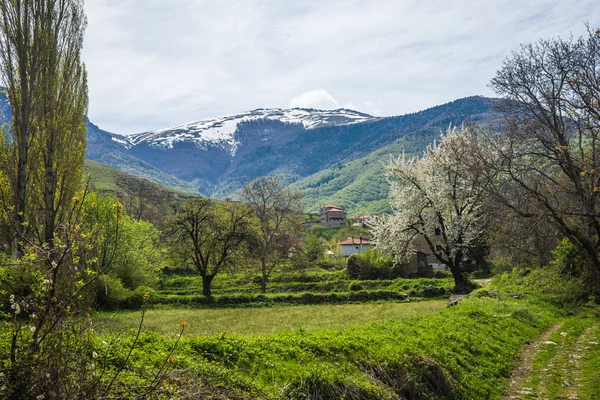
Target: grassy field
464	352
259	321
313	286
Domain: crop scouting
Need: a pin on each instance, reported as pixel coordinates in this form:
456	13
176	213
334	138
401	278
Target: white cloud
320	99
156	63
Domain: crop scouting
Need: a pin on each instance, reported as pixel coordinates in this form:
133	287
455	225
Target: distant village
335	216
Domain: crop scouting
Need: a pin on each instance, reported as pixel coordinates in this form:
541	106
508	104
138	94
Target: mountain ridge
334	156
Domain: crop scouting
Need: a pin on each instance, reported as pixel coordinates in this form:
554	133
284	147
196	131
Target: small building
355	246
333	216
423	257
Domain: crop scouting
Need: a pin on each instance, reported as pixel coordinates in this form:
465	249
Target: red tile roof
353	241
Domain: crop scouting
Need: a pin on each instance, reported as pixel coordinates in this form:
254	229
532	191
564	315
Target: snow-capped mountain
220	131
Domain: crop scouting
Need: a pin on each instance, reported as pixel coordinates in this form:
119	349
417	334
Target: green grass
464	352
311	287
591	365
109	179
260	321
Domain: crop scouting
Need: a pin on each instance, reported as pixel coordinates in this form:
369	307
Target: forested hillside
337	157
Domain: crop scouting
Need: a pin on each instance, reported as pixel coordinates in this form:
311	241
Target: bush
371	265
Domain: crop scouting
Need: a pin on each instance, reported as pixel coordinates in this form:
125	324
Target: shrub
371	265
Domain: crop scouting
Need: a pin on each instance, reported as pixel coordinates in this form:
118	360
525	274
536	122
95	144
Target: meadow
261	321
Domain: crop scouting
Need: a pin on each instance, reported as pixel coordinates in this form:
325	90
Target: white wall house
355	246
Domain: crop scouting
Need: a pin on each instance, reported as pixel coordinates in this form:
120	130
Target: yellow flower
146	296
183	325
582	173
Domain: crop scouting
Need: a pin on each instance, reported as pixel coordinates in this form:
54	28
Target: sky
157	63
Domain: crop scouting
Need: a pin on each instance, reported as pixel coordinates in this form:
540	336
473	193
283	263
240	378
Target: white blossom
434	192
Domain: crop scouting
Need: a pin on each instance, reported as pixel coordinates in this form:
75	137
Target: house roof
353	241
330	207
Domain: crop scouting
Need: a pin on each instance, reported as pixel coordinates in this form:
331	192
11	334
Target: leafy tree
131	247
208	235
280	219
40	47
434	194
314	247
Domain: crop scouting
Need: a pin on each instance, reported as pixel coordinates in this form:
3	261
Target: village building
423	257
333	216
354	245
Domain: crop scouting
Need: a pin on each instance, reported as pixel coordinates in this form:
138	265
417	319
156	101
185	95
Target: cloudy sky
157	63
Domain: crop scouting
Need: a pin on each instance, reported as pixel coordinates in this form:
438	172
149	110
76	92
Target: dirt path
524	367
575	361
555	366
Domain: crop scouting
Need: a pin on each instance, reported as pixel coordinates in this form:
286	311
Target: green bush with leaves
372	264
131	250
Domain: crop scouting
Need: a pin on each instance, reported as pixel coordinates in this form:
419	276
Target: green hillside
359	184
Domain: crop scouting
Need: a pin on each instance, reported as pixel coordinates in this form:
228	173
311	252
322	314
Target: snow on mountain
220	131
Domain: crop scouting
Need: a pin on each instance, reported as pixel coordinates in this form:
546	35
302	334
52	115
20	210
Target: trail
556	365
523	369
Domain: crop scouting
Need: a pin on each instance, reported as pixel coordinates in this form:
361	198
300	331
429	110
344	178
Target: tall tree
435	194
208	235
547	157
279	212
41	43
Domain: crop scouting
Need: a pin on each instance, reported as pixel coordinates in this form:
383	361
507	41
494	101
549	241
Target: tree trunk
263	281
206	282
460	283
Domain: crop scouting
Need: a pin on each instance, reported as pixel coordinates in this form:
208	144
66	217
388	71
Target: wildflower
75	199
32	329
91	367
48	375
183	325
582	173
104	344
40	397
146	296
94	354
596	190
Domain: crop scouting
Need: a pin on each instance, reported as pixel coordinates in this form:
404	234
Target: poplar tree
46	83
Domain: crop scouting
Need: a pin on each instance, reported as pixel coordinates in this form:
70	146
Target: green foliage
464	352
567	258
546	283
372	264
314	247
131	248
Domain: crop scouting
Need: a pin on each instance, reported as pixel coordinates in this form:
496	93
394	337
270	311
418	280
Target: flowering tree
436	200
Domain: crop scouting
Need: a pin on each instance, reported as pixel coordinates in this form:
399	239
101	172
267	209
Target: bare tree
207	235
547	157
279	212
